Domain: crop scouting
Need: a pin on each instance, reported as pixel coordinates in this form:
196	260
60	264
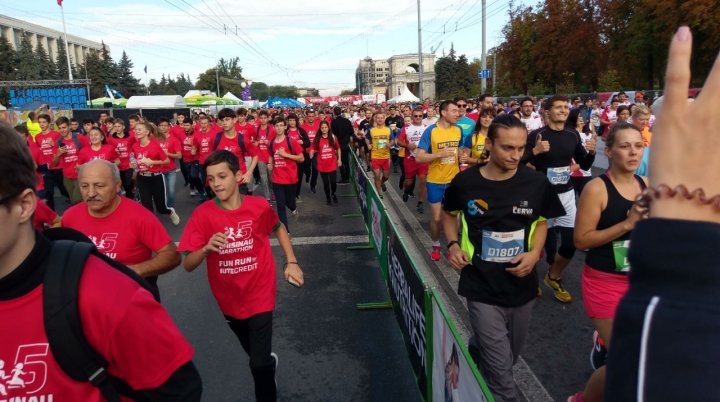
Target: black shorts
667	327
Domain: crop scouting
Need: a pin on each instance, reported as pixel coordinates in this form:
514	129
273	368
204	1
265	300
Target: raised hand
541	146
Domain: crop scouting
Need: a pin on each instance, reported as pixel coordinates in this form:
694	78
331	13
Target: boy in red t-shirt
283	166
233	233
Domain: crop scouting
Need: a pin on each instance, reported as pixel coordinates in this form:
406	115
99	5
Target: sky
309	43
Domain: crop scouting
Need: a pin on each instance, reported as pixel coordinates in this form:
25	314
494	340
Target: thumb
538	139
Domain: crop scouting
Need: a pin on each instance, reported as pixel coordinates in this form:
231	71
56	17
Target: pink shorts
602	292
380	164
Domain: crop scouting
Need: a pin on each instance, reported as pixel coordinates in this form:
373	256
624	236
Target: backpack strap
218	137
61	317
240	138
76	140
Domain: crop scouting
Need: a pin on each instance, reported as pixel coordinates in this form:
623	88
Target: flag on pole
59	2
145	65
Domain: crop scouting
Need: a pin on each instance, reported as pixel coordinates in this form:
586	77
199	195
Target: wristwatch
450	244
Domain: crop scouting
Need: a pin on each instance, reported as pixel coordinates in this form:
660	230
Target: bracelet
290	262
451	242
644	199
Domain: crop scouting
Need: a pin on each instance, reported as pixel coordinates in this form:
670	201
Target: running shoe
298	200
598	354
313	190
539	292
328	202
559	291
295	213
420	208
405	196
577	397
335	199
383	187
411	194
275	357
435	255
174	217
193	193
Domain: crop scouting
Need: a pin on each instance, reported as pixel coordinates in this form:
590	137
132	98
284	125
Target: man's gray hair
113	168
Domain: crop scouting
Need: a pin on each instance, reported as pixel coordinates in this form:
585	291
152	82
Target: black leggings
127	183
152	188
255	336
284	196
314	174
567	244
329	183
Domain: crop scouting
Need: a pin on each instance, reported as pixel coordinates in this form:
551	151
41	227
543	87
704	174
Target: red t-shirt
295	136
178	132
114	311
48	144
242	275
263	136
43	215
153	151
232	145
186	147
203	142
70	160
37	156
170	146
285	170
474	115
326	155
311	129
106	152
123	146
246	129
129	235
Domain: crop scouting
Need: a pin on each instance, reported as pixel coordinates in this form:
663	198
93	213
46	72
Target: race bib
620	250
502	246
450	160
559	175
382	144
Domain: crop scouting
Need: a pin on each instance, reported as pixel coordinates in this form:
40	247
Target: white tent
2	107
231	96
155	101
405	96
199	92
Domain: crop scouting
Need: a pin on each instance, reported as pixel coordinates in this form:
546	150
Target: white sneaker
174	217
275	356
295	213
193	193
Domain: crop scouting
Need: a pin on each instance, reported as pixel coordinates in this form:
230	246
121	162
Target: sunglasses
417	115
462	105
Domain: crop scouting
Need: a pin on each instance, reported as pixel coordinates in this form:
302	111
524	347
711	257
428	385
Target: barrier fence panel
411	301
454	374
377	226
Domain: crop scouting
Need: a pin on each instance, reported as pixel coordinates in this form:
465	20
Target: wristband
290	262
451	242
646	198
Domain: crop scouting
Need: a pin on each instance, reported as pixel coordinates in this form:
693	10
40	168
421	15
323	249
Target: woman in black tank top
605	217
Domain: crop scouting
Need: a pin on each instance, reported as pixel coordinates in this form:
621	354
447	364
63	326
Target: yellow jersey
380	140
478	145
434	140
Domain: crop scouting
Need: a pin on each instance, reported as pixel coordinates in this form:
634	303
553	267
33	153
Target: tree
26	61
46	67
93	69
61	66
128	85
230	76
353	91
109	73
7	58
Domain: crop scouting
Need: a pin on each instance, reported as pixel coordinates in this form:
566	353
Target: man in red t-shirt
189	161
264	133
203	141
47	142
121	321
120	228
233	234
67	156
311	127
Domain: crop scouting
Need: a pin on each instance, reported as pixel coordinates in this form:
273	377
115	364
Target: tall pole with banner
67	49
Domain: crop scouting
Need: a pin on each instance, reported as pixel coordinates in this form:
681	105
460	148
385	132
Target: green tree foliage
46	67
61	67
128	85
455	76
589	45
230	76
26	61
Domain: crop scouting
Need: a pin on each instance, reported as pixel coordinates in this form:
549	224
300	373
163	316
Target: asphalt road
328	349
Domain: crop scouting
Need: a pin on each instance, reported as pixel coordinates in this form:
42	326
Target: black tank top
611	257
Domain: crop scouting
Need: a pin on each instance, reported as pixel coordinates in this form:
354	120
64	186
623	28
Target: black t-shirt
565	146
363	126
398	120
499	218
343	130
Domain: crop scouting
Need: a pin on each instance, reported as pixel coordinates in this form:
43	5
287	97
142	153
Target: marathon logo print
477	207
27	376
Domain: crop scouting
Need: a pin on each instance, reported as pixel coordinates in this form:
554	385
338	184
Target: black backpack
240	138
61	315
272	151
75	140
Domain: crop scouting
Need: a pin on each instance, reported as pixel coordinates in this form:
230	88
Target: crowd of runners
505	184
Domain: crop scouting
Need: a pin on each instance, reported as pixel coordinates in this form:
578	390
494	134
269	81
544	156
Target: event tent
231	96
405	96
282	102
155	101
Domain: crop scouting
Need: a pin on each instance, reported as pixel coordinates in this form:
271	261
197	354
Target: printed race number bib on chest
620	251
382	144
502	246
559	175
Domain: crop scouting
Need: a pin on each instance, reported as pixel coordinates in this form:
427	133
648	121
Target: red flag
60	2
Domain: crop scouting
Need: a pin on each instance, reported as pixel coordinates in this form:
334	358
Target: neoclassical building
389	76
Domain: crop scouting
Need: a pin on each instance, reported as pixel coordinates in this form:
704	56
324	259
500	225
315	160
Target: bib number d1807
620	251
559	175
502	246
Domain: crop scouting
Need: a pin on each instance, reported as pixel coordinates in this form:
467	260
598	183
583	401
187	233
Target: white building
13	29
390	76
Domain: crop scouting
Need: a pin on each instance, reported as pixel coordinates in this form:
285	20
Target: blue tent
282	102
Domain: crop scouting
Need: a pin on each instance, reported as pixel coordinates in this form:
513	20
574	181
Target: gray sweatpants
499	335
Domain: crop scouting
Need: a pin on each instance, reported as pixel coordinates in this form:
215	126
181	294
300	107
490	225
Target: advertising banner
377	225
410	299
454	375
